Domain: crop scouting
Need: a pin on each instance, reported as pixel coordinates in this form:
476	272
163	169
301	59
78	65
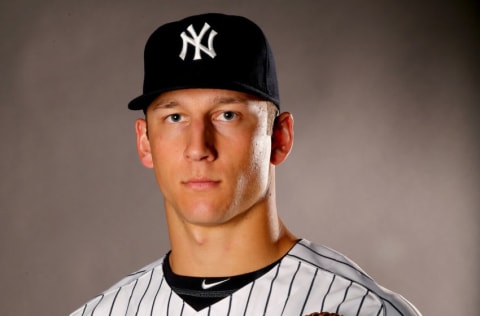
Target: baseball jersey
309	279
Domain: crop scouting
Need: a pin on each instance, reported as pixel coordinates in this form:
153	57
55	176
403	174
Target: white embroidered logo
206	286
196	41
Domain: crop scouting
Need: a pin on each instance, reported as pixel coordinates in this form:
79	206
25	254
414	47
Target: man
213	135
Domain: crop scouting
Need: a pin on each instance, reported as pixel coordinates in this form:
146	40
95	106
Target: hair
272	114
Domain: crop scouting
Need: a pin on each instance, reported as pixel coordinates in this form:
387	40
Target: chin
206	216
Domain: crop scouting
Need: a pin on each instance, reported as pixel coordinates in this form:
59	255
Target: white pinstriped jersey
309	278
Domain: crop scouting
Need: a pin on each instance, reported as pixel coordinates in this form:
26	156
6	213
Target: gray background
384	167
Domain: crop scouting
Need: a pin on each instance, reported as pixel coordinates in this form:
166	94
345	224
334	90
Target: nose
200	144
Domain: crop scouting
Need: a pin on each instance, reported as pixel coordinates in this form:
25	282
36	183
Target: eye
227	116
174	118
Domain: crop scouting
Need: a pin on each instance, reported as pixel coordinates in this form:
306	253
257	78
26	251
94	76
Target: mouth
201	184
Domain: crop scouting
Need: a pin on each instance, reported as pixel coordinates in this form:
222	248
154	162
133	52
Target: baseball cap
208	51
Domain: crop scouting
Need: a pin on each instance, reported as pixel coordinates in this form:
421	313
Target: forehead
202	97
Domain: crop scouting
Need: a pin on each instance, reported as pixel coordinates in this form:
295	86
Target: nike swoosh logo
206	286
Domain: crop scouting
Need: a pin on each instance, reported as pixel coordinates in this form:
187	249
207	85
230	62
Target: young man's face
210	150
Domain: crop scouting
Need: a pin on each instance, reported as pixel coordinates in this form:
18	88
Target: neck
251	241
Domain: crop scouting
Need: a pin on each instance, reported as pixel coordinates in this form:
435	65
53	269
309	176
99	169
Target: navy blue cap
208	51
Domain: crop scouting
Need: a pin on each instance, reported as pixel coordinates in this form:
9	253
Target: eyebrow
218	100
229	100
165	105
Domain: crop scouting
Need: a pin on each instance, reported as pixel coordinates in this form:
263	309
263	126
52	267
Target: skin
214	154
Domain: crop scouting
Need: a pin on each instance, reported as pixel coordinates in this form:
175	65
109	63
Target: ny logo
196	41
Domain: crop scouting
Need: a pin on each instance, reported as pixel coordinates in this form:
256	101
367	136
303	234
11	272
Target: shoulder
326	259
135	280
331	262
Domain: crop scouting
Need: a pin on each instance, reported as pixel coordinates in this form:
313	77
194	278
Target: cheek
262	158
165	160
168	147
257	166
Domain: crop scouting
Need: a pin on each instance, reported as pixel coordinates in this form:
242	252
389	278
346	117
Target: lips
201	184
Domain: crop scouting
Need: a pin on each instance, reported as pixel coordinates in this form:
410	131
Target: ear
143	144
282	138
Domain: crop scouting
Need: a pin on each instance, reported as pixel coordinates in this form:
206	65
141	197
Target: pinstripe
156	294
271	286
248	299
131	294
114	299
328	292
145	292
393	305
93	310
183	306
84	309
344	296
309	291
229	304
168	303
361	302
136	272
290	286
380	310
